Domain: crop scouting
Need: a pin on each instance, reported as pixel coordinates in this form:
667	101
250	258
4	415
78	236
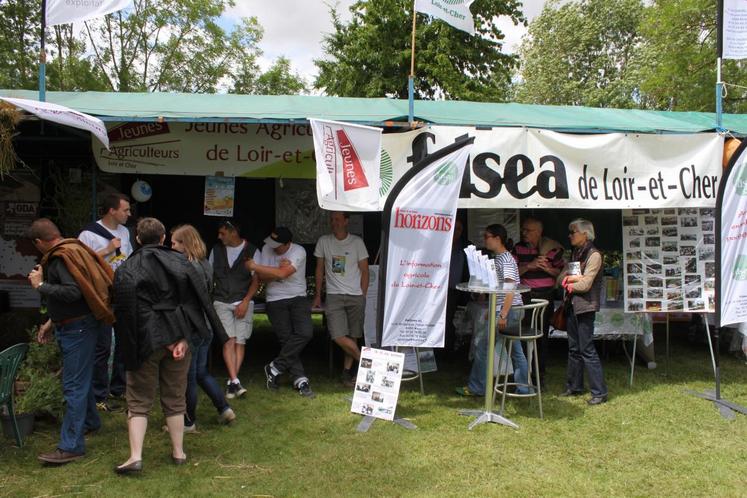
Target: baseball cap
278	237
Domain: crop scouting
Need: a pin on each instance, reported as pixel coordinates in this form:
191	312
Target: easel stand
726	408
368	420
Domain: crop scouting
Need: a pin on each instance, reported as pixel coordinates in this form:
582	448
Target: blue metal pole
43	54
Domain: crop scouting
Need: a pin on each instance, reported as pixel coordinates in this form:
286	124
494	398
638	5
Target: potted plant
38	389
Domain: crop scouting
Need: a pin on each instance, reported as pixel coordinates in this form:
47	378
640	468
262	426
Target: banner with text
454	12
420	231
68	11
732	242
348	160
735	29
64	116
509	167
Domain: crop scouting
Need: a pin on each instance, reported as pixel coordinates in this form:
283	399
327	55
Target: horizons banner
731	243
69	11
419	235
348	159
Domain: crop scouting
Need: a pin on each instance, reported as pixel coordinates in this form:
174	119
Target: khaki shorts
345	315
161	371
239	329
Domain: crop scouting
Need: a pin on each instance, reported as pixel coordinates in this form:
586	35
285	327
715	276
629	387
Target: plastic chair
530	335
10	360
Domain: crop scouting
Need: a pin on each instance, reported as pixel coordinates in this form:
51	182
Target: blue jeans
477	375
199	375
77	341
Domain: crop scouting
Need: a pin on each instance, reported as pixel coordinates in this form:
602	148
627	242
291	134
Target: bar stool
530	336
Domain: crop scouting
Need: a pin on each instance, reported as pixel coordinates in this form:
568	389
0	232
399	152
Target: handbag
559	319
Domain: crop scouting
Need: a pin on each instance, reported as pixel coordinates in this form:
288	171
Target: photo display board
669	259
377	386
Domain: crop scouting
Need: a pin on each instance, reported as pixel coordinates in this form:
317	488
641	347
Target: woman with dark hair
186	240
582	281
496	240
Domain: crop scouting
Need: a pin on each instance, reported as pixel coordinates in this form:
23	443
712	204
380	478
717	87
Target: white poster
69	11
219	196
421	227
669	258
733	242
372	302
377	386
735	29
64	116
347	165
509	167
454	12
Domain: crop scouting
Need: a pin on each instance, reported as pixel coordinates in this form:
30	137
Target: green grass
649	440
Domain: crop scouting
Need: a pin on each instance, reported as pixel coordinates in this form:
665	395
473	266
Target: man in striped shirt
540	261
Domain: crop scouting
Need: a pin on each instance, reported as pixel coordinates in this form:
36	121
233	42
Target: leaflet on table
492	275
484	273
377	386
469	251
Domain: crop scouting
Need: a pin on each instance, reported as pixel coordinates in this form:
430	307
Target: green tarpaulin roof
112	106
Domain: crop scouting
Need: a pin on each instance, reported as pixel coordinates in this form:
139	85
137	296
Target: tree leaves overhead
578	53
370	55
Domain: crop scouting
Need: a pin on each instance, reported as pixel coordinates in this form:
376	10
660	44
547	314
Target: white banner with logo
733	241
509	167
64	116
348	159
68	11
454	12
735	29
421	226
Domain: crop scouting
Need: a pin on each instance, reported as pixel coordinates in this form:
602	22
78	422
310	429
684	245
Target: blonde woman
186	240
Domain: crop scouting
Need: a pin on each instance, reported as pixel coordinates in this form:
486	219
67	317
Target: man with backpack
110	239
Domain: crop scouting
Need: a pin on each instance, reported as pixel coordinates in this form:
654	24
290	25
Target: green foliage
370	55
578	53
20	26
676	67
41	371
277	80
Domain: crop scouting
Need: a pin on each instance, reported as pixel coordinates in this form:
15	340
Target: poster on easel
377	386
220	192
669	259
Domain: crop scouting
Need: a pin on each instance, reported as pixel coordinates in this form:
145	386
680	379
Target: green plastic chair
10	360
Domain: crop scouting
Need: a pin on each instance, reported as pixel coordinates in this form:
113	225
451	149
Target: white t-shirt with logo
97	243
341	259
293	286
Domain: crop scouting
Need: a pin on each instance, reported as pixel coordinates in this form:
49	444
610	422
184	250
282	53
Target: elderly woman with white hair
582	282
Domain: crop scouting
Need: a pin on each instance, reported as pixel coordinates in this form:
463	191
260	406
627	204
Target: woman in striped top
496	240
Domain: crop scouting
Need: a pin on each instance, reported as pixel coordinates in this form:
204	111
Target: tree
20	26
277	80
676	66
370	55
579	53
171	45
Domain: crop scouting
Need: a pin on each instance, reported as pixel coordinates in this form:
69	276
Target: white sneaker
227	416
188	429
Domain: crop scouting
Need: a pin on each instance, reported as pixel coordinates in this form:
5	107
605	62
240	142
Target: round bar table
487	414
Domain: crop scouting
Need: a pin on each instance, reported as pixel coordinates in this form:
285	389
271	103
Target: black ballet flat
129	469
178	461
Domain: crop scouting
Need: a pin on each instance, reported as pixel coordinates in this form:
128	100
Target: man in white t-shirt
282	265
235	287
342	260
110	239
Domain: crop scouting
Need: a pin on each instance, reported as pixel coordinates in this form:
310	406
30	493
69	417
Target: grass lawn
649	440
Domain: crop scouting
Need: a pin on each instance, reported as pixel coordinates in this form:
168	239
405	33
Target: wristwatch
39	286
502	317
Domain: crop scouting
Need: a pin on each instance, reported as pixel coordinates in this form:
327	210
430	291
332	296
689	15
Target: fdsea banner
418	252
508	168
732	242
